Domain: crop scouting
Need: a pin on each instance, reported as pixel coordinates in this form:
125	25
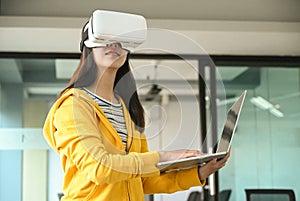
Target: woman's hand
177	154
212	166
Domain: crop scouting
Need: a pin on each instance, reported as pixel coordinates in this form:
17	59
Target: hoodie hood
49	128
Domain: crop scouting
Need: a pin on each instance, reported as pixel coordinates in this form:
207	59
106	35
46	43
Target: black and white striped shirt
114	113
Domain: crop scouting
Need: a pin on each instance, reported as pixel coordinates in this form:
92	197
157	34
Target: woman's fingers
178	154
215	164
185	153
191	153
224	160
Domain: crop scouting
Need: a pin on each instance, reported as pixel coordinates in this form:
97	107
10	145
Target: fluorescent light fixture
276	112
226	101
263	104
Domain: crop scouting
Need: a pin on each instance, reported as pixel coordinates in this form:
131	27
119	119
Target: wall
173	125
11	108
11	105
23	151
34	160
54	176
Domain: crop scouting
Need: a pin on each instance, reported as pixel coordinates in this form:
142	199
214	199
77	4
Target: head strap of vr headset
84	35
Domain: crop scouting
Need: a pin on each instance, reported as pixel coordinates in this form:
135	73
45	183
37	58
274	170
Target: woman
96	126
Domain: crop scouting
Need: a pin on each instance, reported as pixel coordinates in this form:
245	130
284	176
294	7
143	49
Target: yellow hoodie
95	163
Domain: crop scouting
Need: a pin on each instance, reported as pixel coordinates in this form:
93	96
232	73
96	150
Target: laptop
224	143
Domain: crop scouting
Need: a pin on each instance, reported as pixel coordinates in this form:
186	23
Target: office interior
249	47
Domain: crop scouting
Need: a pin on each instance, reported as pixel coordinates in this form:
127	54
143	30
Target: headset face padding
105	27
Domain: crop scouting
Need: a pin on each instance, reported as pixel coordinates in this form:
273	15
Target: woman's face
111	56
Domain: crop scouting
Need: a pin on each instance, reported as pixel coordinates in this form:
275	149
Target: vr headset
106	27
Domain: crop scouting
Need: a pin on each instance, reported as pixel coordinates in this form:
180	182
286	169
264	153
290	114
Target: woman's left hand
212	166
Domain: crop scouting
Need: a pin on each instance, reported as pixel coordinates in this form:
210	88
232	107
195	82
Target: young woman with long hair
97	127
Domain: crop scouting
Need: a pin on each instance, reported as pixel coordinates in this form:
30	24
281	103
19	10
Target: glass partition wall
266	145
24	103
264	152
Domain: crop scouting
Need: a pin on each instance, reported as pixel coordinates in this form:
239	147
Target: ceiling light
276	112
226	101
263	104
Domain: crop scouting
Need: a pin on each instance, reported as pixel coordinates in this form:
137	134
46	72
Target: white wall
34	181
173	126
55	176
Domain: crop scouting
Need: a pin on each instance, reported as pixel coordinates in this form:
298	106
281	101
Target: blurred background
251	46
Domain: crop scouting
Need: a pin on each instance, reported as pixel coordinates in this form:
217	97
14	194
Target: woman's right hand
177	154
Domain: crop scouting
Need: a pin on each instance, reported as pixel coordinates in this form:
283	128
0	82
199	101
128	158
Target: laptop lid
230	124
223	145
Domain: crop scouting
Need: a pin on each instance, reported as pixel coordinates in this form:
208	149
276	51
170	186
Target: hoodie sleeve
77	136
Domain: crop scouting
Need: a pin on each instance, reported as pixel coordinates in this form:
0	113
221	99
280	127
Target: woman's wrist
201	173
161	156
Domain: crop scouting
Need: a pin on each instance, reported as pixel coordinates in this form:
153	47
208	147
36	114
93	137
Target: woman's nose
114	45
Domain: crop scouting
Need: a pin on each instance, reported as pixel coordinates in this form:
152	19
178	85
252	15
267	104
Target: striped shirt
114	113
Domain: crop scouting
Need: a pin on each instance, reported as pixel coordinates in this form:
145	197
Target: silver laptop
223	145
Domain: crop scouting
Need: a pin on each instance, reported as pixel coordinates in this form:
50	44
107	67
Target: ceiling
254	10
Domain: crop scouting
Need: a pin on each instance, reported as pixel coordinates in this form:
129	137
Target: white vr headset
105	27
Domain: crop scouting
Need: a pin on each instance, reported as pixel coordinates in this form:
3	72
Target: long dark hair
124	85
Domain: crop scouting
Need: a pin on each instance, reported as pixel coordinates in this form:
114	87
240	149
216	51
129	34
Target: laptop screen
230	125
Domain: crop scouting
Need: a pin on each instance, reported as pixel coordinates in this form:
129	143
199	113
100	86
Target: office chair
194	196
224	195
60	196
270	195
